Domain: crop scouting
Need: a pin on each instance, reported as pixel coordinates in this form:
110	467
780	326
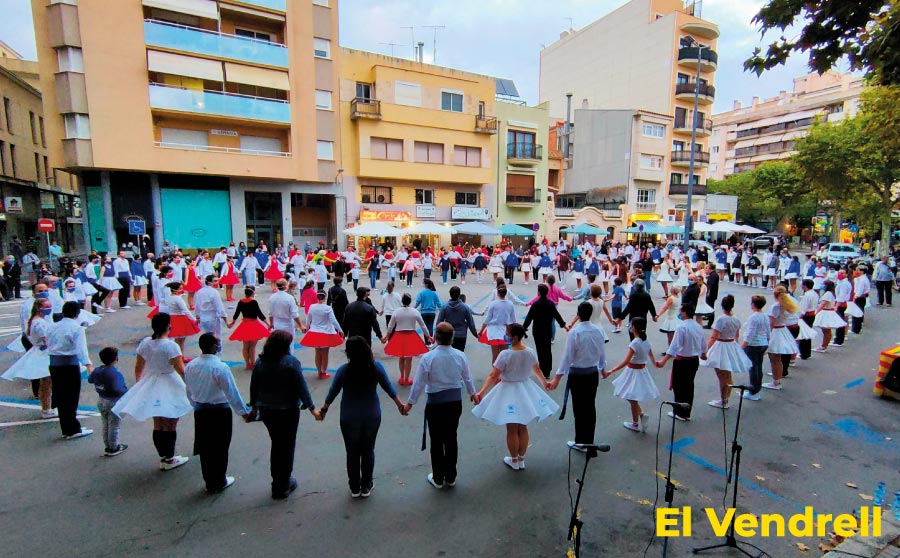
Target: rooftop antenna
392	45
435	28
569	19
412	36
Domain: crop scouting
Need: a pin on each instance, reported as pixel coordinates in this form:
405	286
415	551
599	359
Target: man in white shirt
688	346
210	310
67	348
808	304
283	311
122	269
582	362
843	291
861	288
220	258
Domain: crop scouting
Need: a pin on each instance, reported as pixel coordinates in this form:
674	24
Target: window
466	156
180	137
32	122
467	198
41	126
325	150
408	93
451	101
2	158
386	148
251	34
77	126
681	79
429	152
520	187
376	194
260	144
715	149
520	145
37	167
323	99
323	3
322	48
651	162
47	177
424	197
7	111
365	91
675	178
677	146
654	130
480	108
70	60
680	117
12	160
646	199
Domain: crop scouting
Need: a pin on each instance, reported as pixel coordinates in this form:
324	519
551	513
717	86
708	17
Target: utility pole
435	28
689	216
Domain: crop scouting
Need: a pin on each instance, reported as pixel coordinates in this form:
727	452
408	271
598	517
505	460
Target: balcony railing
564	211
361	107
708	57
706	90
486	124
703	127
612	213
522	150
217	103
533	199
684	156
682	189
209	43
220	149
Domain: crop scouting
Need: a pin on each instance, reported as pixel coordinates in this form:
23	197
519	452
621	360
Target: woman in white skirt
500	314
160	392
781	341
724	352
664	277
516	401
109	281
703	309
683	269
35	363
670	314
826	317
495	265
636	384
526	267
770	275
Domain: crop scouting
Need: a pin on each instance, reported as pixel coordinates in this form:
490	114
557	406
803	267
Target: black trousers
583	393
150	289
15	286
443	422
510	274
212	438
429	323
66	391
282	427
806	344
840	332
885	291
683	372
710	318
359	441
125	291
857	323
459	343
35	384
99	296
544	351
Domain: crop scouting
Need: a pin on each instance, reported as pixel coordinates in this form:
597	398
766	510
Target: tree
880	164
771	192
865	32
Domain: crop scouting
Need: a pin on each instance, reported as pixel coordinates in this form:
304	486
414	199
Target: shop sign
426	211
646	217
721	216
231	133
13	204
469	212
398	216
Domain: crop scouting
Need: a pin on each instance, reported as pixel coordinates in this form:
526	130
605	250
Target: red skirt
182	326
152	303
405	344
153	312
320	340
229	279
249	330
274	274
192	285
483	338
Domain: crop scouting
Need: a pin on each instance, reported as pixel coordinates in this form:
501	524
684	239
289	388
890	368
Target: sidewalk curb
885	546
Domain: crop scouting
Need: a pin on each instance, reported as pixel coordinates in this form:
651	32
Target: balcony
612	213
486	124
361	107
700	28
685	92
682	189
564	211
524	153
218	104
274	5
524	201
219	45
704	128
683	158
709	60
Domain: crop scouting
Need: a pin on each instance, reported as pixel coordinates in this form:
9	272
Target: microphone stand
734	472
670	487
575	522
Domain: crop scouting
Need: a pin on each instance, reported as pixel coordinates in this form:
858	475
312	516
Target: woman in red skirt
323	332
192	284
228	277
183	323
273	271
402	339
253	326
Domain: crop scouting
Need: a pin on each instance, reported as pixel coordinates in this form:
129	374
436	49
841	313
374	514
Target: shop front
23	204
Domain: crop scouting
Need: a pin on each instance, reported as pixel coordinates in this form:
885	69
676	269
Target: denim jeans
373	278
359	441
756	354
109	422
444	273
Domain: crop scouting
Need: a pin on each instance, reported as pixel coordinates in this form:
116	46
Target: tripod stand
734	472
575	522
670	486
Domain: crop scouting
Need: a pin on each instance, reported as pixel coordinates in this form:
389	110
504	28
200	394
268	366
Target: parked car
840	252
698	243
766	240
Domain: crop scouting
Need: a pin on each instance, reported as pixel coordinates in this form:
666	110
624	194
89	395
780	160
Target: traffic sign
854	228
137	228
536	227
641	228
46	225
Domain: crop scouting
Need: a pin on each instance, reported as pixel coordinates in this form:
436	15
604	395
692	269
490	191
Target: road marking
854	383
852	428
30	404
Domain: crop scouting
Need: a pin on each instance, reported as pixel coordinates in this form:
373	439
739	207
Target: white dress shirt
689	340
120	266
861	286
390	302
441	369
66	338
584	349
321	318
283	311
406	319
809	301
842	291
208	381
176	306
209	305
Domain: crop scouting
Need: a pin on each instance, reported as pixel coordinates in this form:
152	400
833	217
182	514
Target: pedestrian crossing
9	317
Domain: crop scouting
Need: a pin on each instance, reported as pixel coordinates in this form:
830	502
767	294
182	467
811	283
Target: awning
373	229
510	229
786	117
476	228
178	65
238	73
201	8
652	227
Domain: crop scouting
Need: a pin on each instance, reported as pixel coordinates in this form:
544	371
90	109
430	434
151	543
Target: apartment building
209	120
31	187
418	141
767	130
522	168
642	59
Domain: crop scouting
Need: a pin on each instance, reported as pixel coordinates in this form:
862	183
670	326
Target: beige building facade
767	130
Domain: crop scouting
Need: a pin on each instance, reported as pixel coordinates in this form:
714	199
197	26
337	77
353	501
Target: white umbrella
428	227
703	227
476	228
373	229
724	226
749	230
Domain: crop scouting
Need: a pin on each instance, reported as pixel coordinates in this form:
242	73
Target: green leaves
771	192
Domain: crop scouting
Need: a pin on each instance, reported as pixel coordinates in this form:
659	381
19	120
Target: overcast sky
502	38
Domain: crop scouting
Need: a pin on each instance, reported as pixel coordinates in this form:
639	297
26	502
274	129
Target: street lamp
688	217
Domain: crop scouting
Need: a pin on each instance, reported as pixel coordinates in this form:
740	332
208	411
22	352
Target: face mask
55	284
70	289
169	275
46	311
44	295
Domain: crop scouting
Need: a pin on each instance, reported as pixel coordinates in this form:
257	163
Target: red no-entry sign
46	225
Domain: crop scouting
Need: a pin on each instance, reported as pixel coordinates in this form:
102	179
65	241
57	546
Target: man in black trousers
712	294
67	348
688	346
360	317
542	313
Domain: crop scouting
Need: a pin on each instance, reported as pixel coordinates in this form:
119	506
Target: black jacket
337	299
712	289
360	318
542	313
639	305
691	294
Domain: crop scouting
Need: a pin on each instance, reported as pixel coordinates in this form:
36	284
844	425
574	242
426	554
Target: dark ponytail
160	325
640	326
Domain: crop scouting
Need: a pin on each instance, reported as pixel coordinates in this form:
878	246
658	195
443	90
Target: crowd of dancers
807	312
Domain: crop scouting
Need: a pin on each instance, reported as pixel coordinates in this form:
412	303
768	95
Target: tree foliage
865	32
772	192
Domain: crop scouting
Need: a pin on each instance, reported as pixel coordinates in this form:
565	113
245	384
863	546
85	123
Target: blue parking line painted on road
854	429
36	405
677	448
854	383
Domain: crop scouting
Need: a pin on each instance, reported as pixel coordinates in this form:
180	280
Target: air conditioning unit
670	218
366	198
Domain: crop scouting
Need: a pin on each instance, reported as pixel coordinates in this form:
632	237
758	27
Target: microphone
679	406
742	388
597	447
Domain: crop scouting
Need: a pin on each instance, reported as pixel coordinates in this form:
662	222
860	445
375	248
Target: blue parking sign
137	228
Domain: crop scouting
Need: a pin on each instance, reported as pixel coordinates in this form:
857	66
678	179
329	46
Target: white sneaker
366	492
511	462
676	417
521	462
110	311
174	463
84	432
718	404
52	413
645	422
632	426
431	481
145	304
772	385
126	307
751	396
576	447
